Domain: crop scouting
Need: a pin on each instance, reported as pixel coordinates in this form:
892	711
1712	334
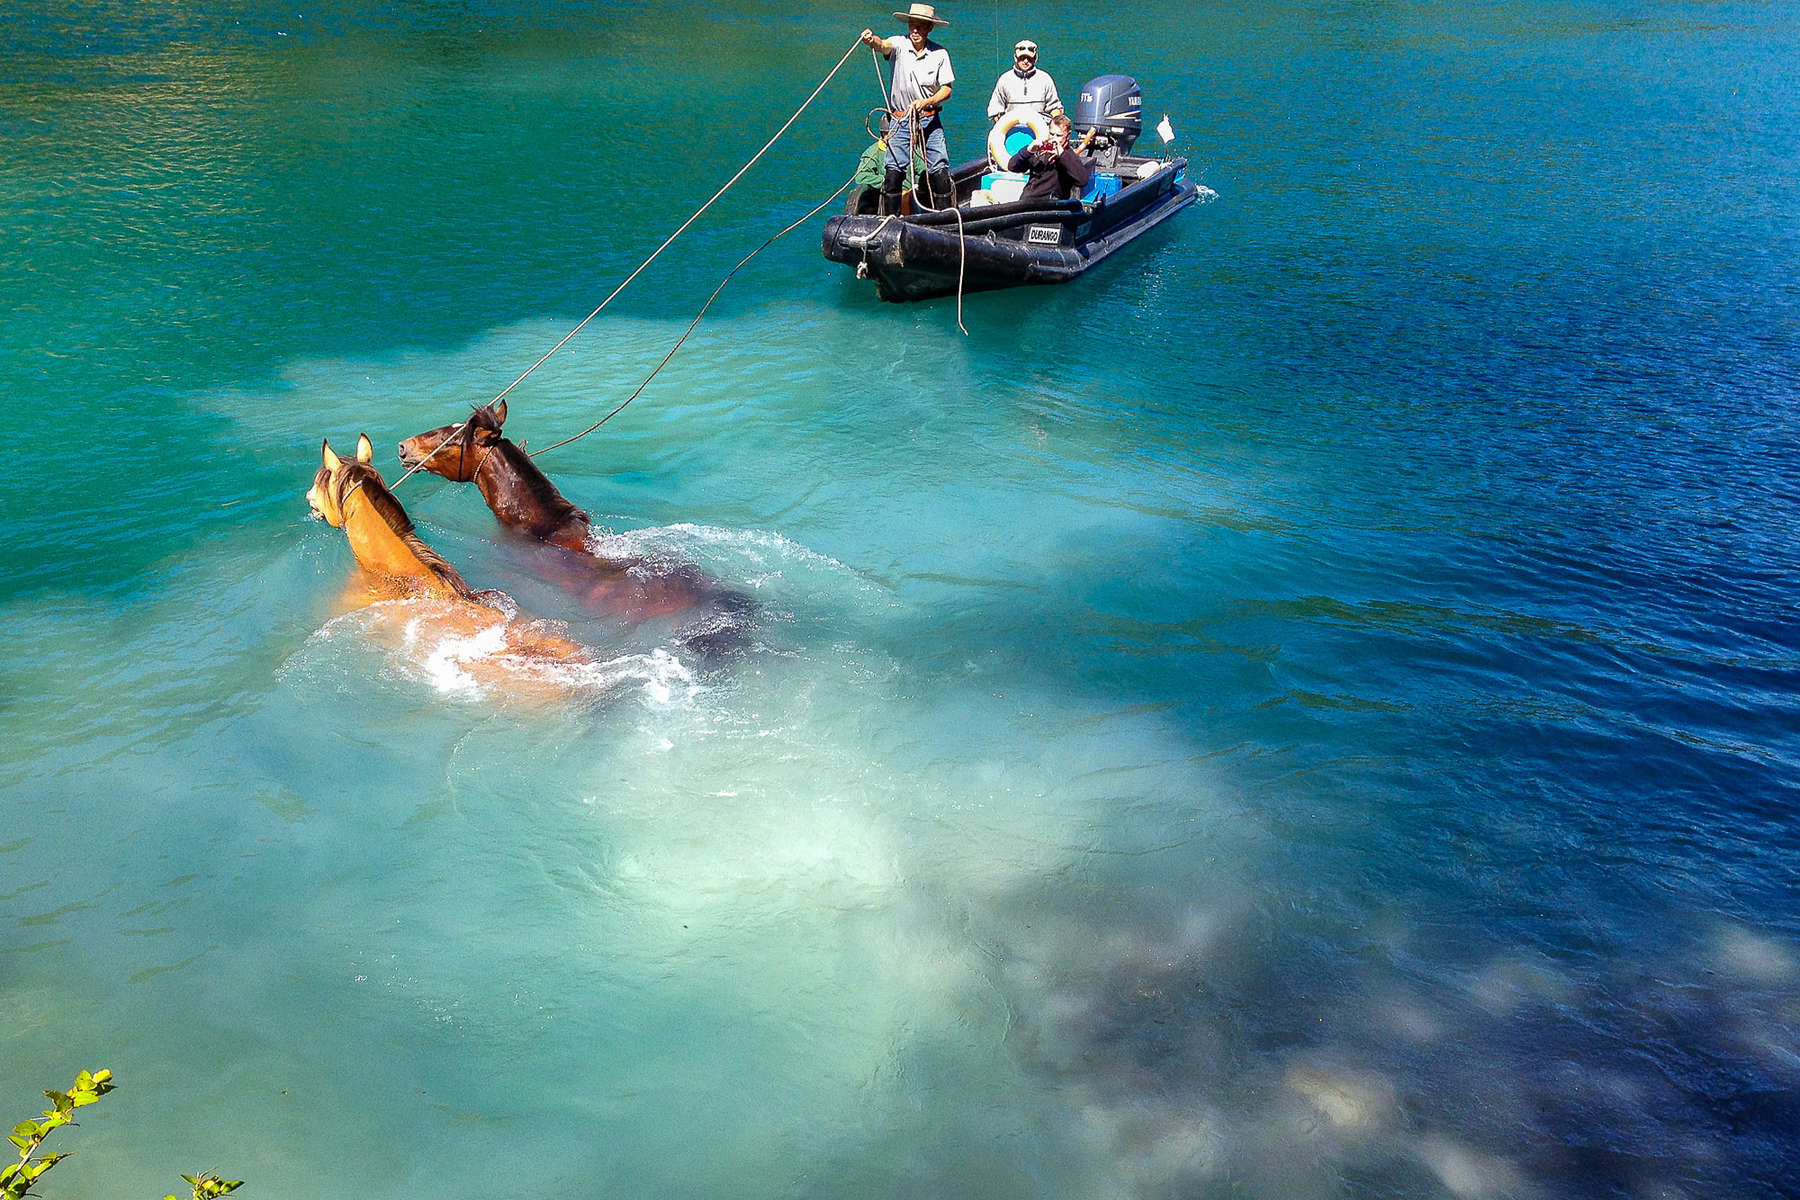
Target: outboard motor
1113	107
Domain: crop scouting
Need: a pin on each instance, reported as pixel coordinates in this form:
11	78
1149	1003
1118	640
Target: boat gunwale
1061	208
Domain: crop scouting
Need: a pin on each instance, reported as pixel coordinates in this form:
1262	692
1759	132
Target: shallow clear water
1305	711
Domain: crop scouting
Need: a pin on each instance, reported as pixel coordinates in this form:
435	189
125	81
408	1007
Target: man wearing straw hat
922	82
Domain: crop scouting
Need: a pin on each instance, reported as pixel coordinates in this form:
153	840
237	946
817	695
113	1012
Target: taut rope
653	256
696	321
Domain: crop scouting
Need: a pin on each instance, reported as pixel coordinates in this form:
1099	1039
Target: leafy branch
208	1186
17	1179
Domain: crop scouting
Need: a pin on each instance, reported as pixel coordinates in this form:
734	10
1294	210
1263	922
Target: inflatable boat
990	238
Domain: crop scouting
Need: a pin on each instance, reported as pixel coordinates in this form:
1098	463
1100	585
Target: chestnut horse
627	587
396	564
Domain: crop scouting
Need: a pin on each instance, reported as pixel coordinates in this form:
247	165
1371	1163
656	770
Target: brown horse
396	564
523	499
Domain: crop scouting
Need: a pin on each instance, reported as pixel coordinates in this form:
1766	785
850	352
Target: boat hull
1005	245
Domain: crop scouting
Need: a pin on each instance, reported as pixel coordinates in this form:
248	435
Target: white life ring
1030	119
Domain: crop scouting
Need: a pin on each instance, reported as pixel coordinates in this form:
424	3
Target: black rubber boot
943	192
891	183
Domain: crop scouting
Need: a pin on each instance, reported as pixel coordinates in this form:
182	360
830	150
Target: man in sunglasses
1024	89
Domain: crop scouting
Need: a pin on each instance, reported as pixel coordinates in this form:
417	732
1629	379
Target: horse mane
556	506
387	507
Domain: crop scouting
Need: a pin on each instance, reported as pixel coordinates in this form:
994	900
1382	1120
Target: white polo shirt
917	73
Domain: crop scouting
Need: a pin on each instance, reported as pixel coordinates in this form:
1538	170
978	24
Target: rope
696	321
417	467
916	150
868	237
678	232
962	262
881	85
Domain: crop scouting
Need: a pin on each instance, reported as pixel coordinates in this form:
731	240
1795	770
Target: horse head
381	535
477	630
523	499
337	478
456	451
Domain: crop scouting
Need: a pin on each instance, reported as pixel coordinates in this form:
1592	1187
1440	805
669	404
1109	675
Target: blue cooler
998	187
1101	184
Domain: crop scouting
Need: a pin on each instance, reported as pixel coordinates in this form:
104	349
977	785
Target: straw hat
922	12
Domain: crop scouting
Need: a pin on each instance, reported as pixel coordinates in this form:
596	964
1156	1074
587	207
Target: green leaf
26	1129
23	1143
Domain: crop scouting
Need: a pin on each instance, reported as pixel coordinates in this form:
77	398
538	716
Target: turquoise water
1308	710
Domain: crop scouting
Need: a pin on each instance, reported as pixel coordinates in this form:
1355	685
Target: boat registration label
1044	235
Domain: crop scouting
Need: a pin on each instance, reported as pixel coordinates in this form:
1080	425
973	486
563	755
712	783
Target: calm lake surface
1308	710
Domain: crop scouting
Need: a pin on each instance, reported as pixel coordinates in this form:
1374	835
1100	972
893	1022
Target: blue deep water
1307	710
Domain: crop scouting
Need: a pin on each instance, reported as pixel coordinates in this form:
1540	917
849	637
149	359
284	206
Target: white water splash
444	658
420	648
753	557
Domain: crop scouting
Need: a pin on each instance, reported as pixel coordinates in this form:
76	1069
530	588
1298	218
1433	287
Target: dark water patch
1380	1063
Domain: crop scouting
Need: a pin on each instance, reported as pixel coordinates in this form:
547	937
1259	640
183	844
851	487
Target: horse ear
500	413
332	462
365	449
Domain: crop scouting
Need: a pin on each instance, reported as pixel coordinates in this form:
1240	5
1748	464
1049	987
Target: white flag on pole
1164	130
